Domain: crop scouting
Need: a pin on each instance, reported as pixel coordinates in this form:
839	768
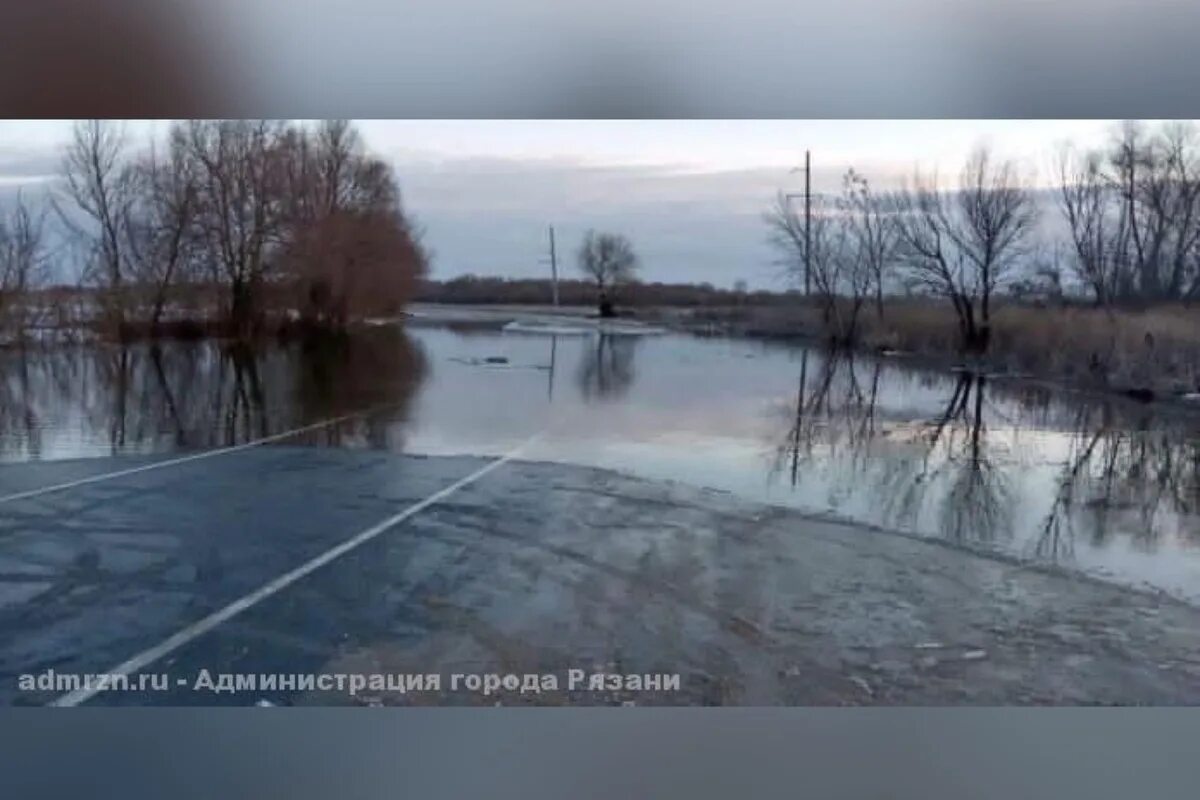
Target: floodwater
1107	487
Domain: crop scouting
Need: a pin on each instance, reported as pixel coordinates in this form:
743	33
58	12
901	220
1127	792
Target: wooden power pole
807	222
553	268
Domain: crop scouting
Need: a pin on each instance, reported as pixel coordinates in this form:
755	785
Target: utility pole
553	268
807	220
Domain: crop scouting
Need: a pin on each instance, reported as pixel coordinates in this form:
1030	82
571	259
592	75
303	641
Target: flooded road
1105	487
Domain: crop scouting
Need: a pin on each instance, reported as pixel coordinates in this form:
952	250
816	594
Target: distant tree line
271	220
476	289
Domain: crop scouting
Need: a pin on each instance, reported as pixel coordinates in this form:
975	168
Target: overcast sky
690	194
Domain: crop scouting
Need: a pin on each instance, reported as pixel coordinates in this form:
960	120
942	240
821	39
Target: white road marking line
202	626
220	451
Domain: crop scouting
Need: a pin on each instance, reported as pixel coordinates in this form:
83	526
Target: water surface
1107	487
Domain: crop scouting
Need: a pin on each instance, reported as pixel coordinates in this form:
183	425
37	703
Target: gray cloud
27	164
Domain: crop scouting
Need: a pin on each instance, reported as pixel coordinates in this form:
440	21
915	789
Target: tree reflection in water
380	369
832	409
181	395
1136	475
978	504
836	420
970	470
606	367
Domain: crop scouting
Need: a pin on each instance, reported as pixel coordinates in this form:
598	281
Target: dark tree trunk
605	305
241	310
975	336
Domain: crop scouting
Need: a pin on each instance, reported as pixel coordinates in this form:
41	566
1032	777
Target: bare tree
161	228
98	180
609	261
319	166
350	250
240	207
21	263
838	269
1097	226
1134	214
266	212
963	245
340	155
1177	199
872	231
1159	184
1134	165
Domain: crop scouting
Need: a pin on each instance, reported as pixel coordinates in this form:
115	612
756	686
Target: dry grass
1156	349
928	328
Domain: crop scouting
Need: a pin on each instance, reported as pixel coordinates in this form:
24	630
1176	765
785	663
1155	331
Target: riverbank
1148	355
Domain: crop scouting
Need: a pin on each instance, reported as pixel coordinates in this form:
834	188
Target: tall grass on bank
1155	350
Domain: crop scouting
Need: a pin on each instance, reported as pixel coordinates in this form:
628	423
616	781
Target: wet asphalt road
541	568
